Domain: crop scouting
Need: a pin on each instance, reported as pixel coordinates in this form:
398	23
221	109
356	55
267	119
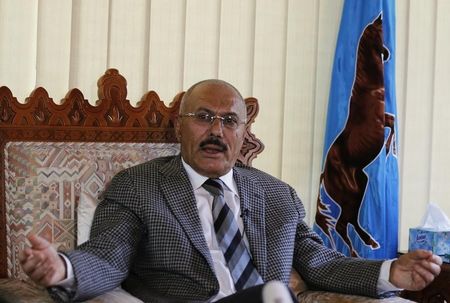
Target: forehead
215	96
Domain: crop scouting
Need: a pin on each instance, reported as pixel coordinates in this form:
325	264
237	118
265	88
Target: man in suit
157	232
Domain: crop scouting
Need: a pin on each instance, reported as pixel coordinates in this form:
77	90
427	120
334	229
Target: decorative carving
6	98
252	146
112	119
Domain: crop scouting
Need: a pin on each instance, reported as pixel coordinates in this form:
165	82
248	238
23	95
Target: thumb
421	254
38	242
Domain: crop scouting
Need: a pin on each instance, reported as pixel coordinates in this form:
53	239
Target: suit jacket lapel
252	201
177	188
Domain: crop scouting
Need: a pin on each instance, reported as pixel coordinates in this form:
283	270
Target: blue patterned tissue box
436	241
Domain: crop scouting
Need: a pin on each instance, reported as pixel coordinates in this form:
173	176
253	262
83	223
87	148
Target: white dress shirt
204	204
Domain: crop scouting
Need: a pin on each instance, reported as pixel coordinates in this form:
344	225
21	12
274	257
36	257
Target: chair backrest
50	154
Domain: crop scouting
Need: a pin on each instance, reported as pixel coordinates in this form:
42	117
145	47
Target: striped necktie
230	240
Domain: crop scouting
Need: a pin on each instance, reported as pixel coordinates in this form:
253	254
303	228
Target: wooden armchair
55	159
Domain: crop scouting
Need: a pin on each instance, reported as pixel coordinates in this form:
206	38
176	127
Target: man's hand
42	263
415	270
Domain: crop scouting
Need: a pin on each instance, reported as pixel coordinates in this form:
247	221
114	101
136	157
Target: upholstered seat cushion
331	297
14	290
17	291
303	294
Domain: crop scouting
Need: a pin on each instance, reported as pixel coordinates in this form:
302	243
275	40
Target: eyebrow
211	112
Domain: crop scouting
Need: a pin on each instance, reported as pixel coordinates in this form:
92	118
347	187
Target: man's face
211	149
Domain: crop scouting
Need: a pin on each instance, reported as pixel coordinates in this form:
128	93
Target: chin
215	172
212	168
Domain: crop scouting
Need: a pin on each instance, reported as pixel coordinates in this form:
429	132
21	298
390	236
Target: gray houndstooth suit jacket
147	236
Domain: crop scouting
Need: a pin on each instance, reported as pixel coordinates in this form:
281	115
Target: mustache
214	141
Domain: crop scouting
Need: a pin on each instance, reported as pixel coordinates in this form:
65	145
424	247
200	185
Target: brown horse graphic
360	141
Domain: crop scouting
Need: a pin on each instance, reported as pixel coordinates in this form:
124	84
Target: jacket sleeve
327	269
103	262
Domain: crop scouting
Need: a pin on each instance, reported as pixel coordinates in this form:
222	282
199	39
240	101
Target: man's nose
217	127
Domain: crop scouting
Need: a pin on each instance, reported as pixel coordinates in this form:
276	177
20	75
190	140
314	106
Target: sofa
56	159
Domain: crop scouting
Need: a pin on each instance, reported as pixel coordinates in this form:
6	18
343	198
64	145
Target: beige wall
279	51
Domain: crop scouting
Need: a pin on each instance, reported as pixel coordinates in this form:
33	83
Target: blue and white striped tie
230	240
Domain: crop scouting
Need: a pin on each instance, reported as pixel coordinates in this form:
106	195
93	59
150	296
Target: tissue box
436	241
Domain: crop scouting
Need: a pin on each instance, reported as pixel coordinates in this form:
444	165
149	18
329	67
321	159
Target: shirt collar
197	180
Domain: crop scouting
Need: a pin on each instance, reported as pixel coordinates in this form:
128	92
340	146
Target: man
160	229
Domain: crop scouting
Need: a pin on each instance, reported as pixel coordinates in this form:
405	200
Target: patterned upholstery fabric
44	181
12	290
331	297
300	289
16	291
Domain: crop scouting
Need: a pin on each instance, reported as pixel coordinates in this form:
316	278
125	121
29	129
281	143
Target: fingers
45	273
41	262
31	262
429	268
417	282
433	264
422	257
38	242
38	272
24	254
420	254
415	270
436	260
45	268
424	273
426	261
33	257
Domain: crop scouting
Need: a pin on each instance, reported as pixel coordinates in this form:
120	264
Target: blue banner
357	206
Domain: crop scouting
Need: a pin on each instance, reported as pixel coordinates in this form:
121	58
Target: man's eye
230	120
203	117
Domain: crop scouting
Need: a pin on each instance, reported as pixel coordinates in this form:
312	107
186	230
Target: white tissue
435	219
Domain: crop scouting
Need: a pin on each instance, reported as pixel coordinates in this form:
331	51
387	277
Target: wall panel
167	46
269	79
236	45
416	154
401	54
89	46
202	34
298	115
128	43
53	45
18	27
440	143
